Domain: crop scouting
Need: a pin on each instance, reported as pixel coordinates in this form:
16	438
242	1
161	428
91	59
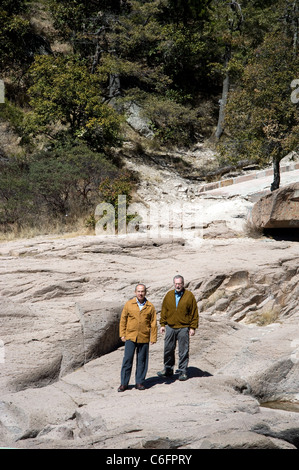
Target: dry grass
70	230
266	317
252	231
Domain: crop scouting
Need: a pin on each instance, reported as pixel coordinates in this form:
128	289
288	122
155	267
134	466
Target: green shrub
16	199
172	122
52	184
110	190
64	92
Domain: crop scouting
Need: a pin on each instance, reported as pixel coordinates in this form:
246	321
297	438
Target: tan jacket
182	316
138	325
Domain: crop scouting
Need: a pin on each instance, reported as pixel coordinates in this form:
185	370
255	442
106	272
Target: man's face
178	284
140	293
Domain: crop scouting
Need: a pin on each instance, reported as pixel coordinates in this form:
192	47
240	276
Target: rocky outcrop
252	297
43	348
60	306
139	123
279	209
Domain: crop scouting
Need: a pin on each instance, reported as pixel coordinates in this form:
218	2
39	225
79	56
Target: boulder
100	326
137	121
38	350
26	413
279	209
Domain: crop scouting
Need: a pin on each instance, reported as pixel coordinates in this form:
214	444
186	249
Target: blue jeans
141	362
172	336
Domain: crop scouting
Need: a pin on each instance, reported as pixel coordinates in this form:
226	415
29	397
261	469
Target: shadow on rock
196	372
192	372
283	234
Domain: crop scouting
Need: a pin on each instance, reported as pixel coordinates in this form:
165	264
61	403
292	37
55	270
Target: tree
234	31
66	178
15	195
14	29
64	91
145	48
185	11
231	13
291	18
262	122
19	42
49	185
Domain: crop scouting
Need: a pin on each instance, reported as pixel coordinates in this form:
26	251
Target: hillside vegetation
216	70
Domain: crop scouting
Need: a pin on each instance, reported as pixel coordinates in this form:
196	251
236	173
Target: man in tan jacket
179	320
137	328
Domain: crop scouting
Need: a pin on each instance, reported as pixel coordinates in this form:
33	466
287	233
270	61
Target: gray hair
178	276
140	284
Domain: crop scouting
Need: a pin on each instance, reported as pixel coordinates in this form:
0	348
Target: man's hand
191	332
123	338
162	330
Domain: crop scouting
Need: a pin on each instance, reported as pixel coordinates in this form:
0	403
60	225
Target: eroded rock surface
60	304
279	209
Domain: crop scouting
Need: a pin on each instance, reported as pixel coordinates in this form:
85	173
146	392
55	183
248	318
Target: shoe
140	387
165	373
183	377
122	388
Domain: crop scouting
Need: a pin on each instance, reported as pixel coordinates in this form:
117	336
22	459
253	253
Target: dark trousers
172	336
141	362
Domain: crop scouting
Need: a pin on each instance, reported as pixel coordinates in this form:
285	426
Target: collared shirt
138	325
184	315
178	296
141	305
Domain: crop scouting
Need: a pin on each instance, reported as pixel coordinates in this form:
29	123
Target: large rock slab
40	348
215	408
279	209
61	300
257	296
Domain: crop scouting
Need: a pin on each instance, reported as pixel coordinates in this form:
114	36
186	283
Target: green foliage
109	191
261	121
171	121
135	41
185	11
15	197
13	6
14	115
70	15
232	34
58	182
64	91
67	177
183	54
67	15
13	32
168	56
